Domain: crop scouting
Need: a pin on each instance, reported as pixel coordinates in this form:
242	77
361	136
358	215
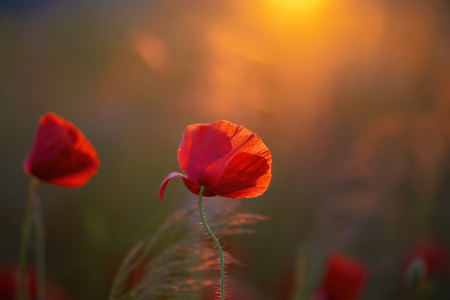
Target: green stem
26	228
300	278
222	263
40	249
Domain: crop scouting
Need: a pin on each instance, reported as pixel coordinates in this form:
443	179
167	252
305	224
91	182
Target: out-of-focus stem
26	229
300	278
40	249
222	263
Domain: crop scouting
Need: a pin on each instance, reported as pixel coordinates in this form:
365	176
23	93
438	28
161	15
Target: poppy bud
60	154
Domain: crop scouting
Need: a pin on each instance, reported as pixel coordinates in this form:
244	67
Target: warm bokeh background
352	97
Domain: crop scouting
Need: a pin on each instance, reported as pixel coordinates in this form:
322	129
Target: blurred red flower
344	279
60	154
227	159
9	284
429	257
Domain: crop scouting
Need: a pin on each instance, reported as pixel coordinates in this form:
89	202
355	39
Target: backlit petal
202	145
163	185
193	186
245	176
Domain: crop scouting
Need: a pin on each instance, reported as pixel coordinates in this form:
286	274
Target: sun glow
292	12
293	5
284	50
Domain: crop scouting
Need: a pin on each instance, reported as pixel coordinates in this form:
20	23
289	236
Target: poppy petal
245	176
202	145
193	186
163	185
60	154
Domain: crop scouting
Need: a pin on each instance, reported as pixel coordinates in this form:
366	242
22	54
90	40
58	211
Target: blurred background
351	97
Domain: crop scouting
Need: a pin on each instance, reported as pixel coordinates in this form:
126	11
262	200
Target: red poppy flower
60	154
227	159
344	279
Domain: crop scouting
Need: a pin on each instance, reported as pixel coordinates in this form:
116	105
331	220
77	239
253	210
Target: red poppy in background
344	279
9	284
227	159
429	256
60	154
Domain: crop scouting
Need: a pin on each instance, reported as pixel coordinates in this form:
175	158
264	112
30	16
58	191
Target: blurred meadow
351	97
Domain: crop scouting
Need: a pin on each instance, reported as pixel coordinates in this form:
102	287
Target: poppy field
232	150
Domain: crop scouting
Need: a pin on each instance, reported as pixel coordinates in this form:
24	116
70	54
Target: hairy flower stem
26	229
222	263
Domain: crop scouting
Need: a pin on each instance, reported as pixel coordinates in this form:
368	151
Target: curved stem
222	263
26	229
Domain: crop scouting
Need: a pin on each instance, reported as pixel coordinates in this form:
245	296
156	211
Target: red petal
60	154
246	176
193	186
163	185
344	279
228	159
202	145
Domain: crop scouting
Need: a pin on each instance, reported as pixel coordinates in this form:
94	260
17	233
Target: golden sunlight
291	12
293	5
